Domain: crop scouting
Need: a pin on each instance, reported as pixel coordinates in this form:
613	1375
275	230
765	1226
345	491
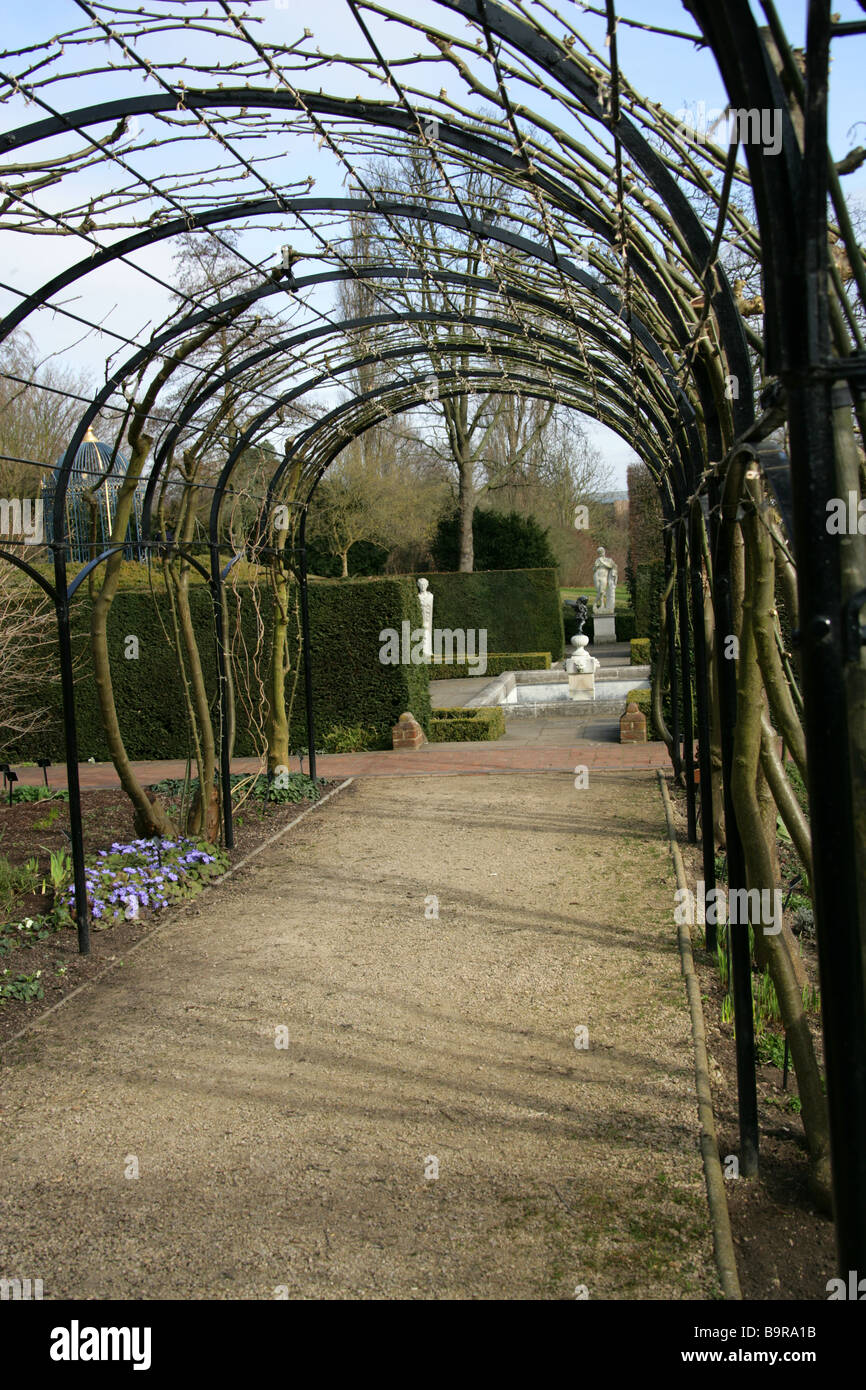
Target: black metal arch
599	291
397	354
590	328
386	114
791	199
264	207
731	328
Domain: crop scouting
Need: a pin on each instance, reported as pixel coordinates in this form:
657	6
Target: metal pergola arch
791	202
331	448
378	113
192	321
131	244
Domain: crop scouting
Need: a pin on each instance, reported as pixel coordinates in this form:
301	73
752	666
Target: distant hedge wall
497	662
520	609
649	587
350	684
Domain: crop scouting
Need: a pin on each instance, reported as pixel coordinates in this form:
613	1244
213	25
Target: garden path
415	1045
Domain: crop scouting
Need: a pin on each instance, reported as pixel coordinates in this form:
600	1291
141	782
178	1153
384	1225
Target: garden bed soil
785	1247
106	818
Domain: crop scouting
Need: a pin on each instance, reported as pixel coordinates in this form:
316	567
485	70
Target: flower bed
145	874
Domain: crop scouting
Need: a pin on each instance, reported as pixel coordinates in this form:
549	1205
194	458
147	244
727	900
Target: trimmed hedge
497	662
467	725
351	685
640	651
649	586
520	609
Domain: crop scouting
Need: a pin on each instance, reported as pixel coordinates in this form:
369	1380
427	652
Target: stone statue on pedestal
604	576
425	598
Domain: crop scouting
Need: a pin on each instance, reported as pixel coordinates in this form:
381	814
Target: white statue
604	576
425	598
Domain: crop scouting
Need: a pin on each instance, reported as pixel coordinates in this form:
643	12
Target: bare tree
28	656
36	420
465	422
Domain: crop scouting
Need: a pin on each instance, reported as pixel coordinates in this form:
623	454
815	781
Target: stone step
622	673
567	709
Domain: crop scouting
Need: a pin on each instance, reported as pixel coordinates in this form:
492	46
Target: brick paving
523	750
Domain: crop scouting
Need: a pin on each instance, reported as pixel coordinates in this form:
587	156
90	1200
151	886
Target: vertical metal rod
677	754
836	799
67	685
305	636
686	677
702	691
216	586
740	972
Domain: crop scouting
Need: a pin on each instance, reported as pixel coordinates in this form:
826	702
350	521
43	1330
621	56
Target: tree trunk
277	727
853	566
771	950
465	512
150	817
203	816
231	703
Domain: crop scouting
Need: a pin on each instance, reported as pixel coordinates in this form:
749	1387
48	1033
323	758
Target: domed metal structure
93	461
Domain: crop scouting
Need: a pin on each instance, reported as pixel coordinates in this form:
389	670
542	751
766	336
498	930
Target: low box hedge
497	662
640	651
466	725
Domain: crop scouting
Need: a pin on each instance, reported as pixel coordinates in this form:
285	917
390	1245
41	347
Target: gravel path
415	1045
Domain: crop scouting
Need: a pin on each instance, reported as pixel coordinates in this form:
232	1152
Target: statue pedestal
603	628
581	685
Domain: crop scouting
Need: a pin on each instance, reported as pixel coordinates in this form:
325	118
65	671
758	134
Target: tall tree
465	423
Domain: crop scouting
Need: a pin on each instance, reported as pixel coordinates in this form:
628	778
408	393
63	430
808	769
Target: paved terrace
529	745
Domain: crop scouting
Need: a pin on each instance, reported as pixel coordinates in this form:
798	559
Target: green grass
622	595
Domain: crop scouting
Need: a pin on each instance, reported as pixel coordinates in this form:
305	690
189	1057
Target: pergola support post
216	590
305	638
835	800
70	736
738	935
686	680
702	692
670	613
